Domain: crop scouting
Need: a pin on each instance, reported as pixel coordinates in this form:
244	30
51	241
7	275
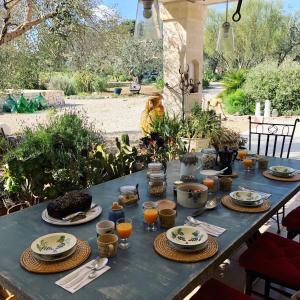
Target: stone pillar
183	30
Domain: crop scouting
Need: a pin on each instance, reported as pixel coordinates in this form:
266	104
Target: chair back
18	207
272	135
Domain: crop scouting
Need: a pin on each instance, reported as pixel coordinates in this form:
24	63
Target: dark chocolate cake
70	203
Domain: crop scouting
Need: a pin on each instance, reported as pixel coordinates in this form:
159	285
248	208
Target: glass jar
157	184
155	167
208	158
129	195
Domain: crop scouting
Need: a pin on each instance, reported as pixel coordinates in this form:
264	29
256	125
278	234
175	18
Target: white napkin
83	271
208	228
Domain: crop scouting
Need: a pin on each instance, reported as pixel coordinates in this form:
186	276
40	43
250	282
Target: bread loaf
70	203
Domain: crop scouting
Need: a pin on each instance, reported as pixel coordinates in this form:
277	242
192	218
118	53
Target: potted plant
117	91
198	129
228	137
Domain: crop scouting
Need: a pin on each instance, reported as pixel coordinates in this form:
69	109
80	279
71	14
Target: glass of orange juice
248	163
124	230
242	154
150	215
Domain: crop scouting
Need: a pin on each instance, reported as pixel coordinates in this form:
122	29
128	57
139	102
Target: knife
72	216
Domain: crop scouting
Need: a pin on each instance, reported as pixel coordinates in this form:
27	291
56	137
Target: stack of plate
282	171
54	247
187	238
246	198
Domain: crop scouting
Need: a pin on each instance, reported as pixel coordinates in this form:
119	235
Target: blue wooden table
138	273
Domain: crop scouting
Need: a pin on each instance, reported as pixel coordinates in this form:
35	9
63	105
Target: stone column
183	30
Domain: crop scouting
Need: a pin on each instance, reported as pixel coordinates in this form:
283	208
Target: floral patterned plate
54	243
186	236
246	197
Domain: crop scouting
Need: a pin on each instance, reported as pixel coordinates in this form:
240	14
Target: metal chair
275	133
18	207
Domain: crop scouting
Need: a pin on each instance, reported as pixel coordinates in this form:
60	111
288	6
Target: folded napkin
208	228
77	279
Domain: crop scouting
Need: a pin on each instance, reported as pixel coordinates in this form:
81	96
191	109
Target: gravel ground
116	116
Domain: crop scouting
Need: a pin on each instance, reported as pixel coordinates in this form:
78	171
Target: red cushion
275	257
215	290
292	220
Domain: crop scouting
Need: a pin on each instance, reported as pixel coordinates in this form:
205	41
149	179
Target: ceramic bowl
245	197
282	171
186	236
189	249
54	243
192	195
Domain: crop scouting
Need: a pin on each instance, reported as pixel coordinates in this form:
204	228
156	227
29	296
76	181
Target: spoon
98	264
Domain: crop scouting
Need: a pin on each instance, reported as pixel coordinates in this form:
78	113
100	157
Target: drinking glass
248	163
124	230
242	154
150	217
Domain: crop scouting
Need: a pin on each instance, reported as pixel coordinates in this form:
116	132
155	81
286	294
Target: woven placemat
228	202
287	179
31	264
233	175
162	247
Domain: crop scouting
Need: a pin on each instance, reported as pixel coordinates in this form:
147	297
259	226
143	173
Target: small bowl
186	236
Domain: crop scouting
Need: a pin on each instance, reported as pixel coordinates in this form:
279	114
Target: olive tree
20	16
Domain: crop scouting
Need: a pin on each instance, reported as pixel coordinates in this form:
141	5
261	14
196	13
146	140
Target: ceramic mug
104	227
107	245
167	217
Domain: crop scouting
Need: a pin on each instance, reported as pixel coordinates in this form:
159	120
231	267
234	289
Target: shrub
159	83
53	158
237	101
280	85
234	80
84	82
63	155
99	84
205	83
62	82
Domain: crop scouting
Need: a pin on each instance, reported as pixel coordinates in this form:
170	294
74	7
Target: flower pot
196	144
118	91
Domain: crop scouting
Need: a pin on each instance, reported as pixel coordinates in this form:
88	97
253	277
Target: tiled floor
234	275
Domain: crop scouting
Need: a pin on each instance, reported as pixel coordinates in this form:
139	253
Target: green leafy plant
237	101
200	123
99	84
159	83
62	82
234	80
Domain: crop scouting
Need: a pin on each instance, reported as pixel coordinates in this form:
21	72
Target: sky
127	8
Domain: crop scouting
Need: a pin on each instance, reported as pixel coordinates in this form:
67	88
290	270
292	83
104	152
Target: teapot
226	158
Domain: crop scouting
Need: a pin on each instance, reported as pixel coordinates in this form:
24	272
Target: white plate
253	204
91	215
245	196
210	172
54	243
186	236
52	259
283	170
190	250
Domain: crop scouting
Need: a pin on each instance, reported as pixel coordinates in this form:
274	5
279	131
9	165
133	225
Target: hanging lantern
147	24
225	42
